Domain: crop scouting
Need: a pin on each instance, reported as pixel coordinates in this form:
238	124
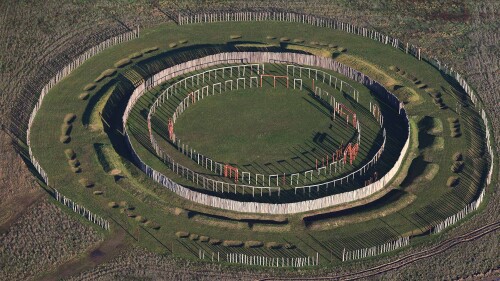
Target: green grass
257	125
433	203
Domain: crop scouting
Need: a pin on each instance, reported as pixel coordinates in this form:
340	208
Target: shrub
98	192
289	246
84	96
69	118
70	153
284	39
74	163
332	46
135	55
421	86
457	156
342	49
323	44
232	243
183	41
106	73
194	237
112	204
393	68
89	87
453	120
452	181
253	244
150	50
298	40
86	182
76	170
214	241
273	245
457	166
314	43
66	129
64	139
270	37
172	45
123	204
204	238
235	36
455	134
455	125
182	234
123	62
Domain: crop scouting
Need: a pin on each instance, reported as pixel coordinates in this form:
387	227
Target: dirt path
111	247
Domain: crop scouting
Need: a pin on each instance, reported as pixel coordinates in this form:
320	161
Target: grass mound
152	225
194	237
70	154
457	156
253	244
452	181
122	63
89	87
106	73
76	170
232	243
83	96
183	41
213	241
284	39
113	204
273	245
204	238
98	192
86	182
141	219
298	40
152	49
74	163
172	45
135	55
235	36
69	118
457	166
65	139
66	129
182	234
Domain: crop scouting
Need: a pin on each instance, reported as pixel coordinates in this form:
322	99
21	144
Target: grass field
432	199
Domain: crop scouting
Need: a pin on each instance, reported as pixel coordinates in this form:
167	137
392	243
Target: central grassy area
261	125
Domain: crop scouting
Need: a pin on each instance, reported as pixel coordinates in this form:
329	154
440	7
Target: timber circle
316	143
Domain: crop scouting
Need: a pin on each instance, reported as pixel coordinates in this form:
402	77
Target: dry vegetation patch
42	238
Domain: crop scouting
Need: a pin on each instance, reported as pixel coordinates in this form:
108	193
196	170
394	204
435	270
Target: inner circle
261	126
